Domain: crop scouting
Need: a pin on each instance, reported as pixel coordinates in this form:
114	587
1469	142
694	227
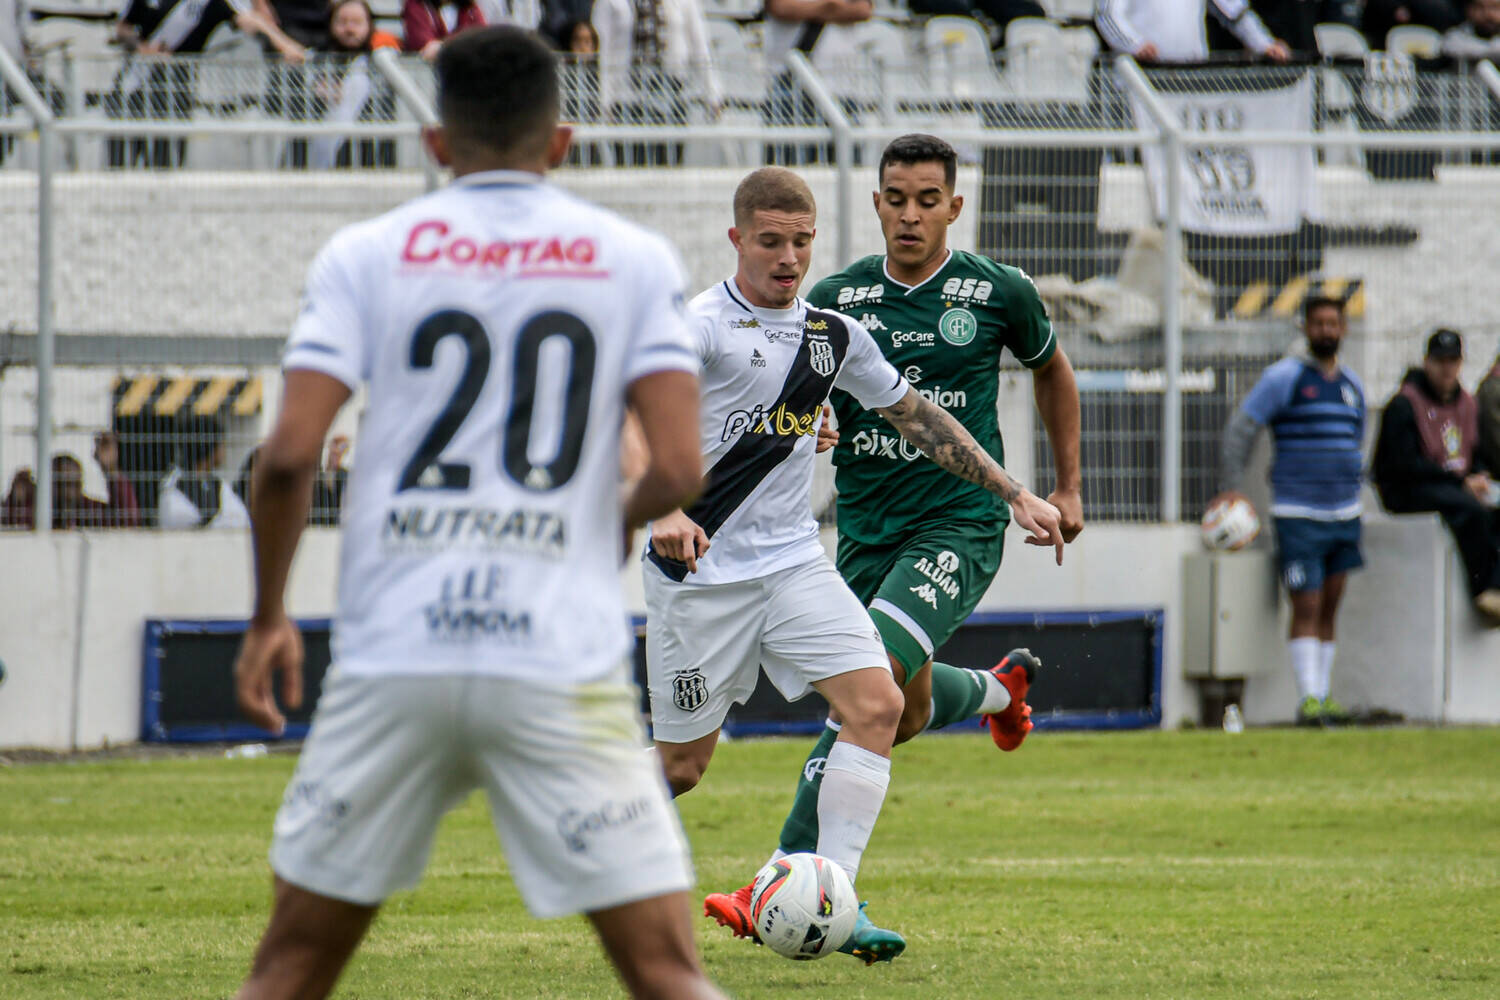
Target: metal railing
1093	180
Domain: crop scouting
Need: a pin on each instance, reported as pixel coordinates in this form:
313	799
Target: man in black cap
1426	459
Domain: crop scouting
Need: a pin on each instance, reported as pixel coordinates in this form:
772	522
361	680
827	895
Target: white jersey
497	323
766	373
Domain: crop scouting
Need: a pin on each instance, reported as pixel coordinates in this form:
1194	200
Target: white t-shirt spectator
1176	27
683	40
175	510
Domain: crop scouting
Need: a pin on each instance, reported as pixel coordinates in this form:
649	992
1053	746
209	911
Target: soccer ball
1230	525
803	906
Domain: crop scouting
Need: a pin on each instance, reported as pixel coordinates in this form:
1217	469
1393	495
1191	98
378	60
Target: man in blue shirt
1315	408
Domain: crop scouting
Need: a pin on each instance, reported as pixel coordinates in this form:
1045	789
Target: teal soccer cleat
871	944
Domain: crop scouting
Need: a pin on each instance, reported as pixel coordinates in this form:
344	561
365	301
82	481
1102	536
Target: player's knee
878	706
914	719
683	772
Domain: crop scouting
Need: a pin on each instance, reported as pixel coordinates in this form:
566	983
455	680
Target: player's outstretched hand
269	648
1041	519
827	436
677	536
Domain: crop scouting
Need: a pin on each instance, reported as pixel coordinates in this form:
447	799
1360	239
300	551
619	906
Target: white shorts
580	806
705	644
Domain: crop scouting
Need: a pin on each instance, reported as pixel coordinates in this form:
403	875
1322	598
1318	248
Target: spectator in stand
1383	15
1488	398
426	23
999	12
71	508
1479	36
1292	21
304	21
155	90
1174	31
797	24
653	59
578	38
328	488
344	88
195	495
1426	459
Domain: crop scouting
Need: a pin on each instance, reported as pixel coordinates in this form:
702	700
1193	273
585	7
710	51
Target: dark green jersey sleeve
1031	339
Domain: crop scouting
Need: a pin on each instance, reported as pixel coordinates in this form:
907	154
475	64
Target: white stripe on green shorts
905	620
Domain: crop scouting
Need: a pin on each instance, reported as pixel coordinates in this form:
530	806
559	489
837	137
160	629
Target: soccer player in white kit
501	326
738	580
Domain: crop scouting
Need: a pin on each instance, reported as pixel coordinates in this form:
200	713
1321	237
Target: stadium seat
1415	41
741	68
1068	11
870	65
1335	40
1046	62
82	44
958	54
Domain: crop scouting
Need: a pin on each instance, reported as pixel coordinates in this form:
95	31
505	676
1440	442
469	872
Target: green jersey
946	336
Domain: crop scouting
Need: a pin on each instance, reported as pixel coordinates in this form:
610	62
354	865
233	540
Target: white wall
1410	640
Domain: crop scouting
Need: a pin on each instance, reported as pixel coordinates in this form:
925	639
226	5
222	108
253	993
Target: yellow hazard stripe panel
1261	299
180	395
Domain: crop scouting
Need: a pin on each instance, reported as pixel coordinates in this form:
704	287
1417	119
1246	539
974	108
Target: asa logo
853	295
969	289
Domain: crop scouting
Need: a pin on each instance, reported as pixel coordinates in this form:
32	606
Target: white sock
854	784
996	694
1306	664
1325	669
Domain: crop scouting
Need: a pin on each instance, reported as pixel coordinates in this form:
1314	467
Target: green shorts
921	589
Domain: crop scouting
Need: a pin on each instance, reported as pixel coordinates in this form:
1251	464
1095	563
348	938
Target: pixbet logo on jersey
780	421
432	243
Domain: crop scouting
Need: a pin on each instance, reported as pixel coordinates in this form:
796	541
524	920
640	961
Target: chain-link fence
1173	221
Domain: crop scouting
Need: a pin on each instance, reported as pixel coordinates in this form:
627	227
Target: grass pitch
1274	864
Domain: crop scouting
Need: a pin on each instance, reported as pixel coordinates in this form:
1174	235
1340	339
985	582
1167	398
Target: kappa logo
820	357
757	359
871	322
690	690
958	327
925	592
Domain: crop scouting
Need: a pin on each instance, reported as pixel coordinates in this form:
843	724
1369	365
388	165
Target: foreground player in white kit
501	326
738	580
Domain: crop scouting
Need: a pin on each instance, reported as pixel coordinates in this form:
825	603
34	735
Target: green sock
800	831
956	694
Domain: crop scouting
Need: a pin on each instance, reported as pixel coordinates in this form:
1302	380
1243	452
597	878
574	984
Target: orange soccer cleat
1016	671
732	910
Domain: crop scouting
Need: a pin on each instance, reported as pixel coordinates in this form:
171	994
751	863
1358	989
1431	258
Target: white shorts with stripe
706	644
581	809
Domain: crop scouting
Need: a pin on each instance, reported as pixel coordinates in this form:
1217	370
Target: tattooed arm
944	440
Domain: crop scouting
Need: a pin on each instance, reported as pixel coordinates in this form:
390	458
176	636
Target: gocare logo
433	243
915	338
578	828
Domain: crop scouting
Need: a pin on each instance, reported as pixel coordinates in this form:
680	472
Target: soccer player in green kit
918	545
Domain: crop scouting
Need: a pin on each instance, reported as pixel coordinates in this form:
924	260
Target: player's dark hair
918	147
771	189
1315	302
498	91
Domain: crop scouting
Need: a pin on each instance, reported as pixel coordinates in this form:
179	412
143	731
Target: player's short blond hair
772	189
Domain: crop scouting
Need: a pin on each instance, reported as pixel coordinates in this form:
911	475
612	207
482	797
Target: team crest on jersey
820	357
958	327
690	690
1351	398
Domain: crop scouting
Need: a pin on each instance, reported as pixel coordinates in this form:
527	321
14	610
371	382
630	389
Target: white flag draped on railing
1230	188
